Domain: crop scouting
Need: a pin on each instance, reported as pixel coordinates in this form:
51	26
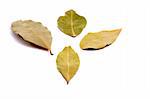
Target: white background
120	71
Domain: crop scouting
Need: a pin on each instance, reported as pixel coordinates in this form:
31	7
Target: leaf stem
51	52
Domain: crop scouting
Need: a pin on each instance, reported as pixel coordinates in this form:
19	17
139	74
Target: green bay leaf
67	63
71	24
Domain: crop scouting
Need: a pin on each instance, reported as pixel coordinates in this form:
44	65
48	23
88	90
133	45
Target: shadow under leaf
93	49
20	39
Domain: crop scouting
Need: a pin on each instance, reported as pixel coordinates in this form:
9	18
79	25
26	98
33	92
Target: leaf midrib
72	29
68	76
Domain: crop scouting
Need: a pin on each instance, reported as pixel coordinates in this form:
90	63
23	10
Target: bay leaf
71	24
68	63
33	32
99	40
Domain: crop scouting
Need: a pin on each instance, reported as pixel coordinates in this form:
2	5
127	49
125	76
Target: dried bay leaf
71	24
100	39
33	32
68	63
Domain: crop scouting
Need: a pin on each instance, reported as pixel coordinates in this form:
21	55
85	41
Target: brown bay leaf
71	24
33	32
67	63
99	40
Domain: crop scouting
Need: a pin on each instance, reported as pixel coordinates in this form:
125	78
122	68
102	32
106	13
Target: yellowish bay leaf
68	63
71	24
100	39
33	32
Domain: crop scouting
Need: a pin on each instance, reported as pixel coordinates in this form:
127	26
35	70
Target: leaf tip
71	10
119	29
